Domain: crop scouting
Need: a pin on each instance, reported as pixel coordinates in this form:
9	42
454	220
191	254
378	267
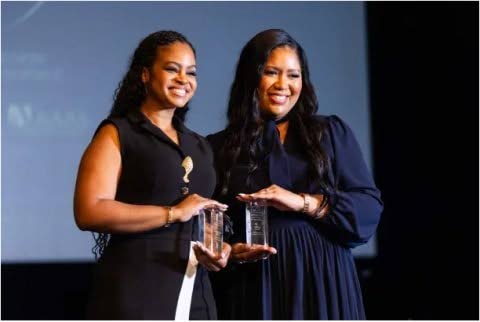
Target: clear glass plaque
210	229
256	216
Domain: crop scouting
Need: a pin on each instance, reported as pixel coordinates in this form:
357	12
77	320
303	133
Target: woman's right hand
191	206
242	253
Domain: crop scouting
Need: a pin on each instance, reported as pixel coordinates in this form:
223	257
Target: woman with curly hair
141	181
310	172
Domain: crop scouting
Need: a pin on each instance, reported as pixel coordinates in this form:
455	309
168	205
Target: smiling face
280	84
171	81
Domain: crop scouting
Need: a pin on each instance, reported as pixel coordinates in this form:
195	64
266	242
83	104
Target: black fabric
273	149
313	275
139	275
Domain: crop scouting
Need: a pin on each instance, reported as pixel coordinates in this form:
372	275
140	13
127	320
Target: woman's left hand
211	261
277	197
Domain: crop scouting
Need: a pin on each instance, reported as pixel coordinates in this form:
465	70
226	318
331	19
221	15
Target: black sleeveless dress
313	275
145	275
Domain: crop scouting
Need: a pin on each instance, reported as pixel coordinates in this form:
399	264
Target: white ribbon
182	312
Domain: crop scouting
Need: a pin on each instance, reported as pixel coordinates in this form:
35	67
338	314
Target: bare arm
94	205
285	200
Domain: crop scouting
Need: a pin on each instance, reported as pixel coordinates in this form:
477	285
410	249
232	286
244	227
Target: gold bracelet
317	213
306	203
169	216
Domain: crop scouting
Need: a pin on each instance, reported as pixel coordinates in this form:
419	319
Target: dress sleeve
355	204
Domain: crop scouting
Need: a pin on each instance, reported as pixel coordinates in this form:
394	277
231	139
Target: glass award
210	229
256	216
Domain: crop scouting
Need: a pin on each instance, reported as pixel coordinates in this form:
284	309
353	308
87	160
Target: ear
145	75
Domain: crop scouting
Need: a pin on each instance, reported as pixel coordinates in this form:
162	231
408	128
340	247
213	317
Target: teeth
179	92
279	98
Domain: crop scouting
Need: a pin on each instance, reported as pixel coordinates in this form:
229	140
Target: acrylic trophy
256	223
211	229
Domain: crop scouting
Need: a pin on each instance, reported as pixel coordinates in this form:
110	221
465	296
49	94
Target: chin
276	111
179	103
279	112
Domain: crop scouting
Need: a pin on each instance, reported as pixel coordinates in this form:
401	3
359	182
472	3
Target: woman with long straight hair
309	170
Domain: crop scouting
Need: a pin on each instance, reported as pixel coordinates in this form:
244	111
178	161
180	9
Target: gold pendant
187	164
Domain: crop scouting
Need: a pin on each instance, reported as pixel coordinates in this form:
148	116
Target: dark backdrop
424	103
423	60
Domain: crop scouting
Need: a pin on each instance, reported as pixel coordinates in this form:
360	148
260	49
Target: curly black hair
130	93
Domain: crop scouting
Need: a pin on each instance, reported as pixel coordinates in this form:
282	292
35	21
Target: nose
282	82
181	77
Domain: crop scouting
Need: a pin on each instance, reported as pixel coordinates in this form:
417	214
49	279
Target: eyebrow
288	70
179	65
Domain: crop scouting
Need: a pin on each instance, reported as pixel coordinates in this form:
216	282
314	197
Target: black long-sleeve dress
313	275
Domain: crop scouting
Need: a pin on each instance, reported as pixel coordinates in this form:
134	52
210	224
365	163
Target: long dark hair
130	92
245	123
